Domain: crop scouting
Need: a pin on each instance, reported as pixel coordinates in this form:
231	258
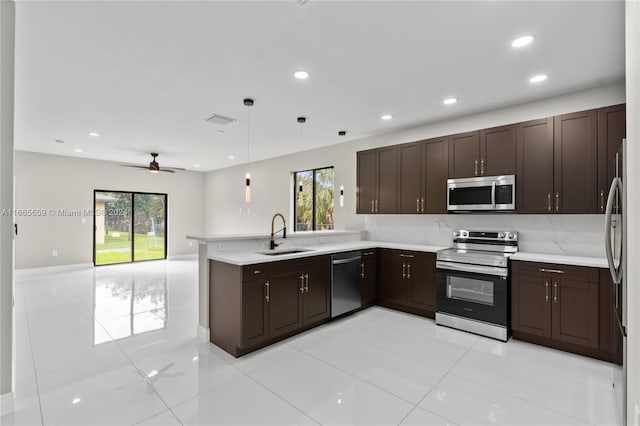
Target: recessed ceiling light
221	131
450	101
78	150
538	78
196	166
58	141
522	41
75	400
301	75
94	134
231	157
153	373
387	117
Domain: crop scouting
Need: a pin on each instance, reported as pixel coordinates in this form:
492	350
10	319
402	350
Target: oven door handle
477	269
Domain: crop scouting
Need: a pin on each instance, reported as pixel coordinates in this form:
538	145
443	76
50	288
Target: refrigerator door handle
616	273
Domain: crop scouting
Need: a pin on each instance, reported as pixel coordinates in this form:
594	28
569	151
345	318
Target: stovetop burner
488	248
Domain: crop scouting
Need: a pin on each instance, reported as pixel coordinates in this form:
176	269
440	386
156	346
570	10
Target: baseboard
7	403
52	269
203	334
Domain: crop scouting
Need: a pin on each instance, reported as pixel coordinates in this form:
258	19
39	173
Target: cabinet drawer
254	271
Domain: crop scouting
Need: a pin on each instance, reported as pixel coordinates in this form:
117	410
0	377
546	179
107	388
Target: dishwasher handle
348	260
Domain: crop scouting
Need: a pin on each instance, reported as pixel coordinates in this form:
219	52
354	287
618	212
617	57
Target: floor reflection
128	304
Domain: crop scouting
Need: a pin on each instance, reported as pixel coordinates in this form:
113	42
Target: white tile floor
115	345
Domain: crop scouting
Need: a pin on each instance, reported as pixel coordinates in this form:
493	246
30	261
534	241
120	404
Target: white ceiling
145	75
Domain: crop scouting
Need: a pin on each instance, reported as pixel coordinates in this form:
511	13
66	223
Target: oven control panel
460	234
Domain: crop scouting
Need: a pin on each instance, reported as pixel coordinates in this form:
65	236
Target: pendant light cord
248	131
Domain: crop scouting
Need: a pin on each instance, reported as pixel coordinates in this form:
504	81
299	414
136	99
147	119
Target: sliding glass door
129	227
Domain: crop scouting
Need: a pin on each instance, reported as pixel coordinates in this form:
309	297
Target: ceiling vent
220	120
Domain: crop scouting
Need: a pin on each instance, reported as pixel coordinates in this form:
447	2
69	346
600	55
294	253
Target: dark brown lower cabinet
560	306
255	305
369	277
407	281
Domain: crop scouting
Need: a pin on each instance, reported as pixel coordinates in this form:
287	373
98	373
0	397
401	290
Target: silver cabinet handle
601	201
404	274
553	271
555	292
376	206
546	290
482	167
306	282
256	271
422	206
266	297
557	202
372	210
417	205
408	271
549	202
301	277
476	167
361	269
406	255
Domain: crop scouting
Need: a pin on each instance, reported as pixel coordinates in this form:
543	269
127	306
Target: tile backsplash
577	235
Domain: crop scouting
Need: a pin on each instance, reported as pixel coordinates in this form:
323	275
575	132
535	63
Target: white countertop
298	234
248	258
562	259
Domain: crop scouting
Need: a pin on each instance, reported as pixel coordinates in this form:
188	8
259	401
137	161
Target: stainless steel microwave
486	193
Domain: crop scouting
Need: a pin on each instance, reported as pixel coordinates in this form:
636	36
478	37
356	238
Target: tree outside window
313	195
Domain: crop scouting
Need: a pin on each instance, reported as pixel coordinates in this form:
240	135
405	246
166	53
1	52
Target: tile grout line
447	372
33	361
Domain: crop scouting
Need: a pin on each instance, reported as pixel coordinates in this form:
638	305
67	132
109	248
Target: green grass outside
145	248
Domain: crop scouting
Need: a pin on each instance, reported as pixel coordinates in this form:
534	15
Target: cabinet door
421	277
317	295
575	307
285	302
575	179
464	155
435	170
367	181
392	284
368	278
530	301
498	151
255	317
387	180
612	129
409	200
534	173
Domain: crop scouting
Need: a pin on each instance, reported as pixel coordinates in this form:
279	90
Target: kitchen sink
282	252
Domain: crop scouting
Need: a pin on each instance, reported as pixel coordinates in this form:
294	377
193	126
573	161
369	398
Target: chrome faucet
273	244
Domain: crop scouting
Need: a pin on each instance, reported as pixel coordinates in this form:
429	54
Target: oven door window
470	290
476	195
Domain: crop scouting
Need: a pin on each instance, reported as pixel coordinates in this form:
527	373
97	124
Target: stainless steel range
473	285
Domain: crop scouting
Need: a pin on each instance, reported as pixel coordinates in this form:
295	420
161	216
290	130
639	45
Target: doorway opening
129	227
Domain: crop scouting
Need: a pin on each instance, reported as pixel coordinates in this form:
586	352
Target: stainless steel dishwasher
345	283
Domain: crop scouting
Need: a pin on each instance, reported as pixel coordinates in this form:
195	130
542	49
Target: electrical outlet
377	223
54	253
223	246
190	243
436	225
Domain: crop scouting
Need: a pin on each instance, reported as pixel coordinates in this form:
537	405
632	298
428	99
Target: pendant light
247	178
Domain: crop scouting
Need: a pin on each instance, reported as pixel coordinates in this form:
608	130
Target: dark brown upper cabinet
534	172
498	151
435	170
464	155
575	146
409	178
422	176
612	129
376	190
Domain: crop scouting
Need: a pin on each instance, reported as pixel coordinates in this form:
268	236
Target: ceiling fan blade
172	168
134	166
166	170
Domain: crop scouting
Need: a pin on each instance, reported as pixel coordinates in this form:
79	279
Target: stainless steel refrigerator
615	245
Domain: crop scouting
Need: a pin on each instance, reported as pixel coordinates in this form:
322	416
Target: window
313	195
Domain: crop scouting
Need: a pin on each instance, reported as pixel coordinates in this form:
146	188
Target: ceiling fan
153	166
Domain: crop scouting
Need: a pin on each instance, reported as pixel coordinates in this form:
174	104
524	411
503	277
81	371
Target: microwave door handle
493	194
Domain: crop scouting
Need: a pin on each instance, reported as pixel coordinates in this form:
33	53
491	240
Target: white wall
226	211
632	181
55	182
7	43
